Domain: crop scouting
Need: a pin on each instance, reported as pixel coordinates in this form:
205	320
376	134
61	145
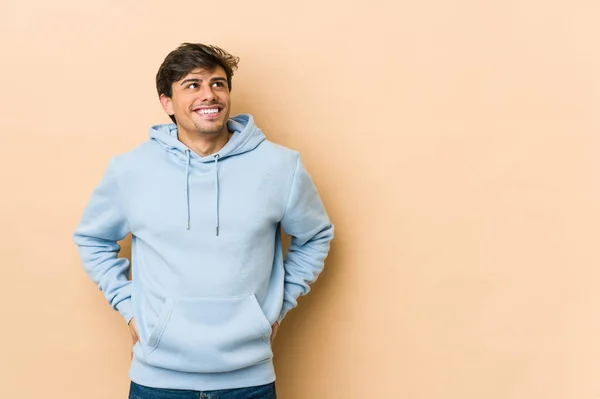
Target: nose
206	93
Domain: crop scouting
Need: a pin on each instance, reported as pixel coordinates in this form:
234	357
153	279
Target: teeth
209	111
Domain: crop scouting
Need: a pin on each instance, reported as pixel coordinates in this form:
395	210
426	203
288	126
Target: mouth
209	112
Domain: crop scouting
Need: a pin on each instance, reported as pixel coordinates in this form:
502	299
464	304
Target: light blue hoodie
208	275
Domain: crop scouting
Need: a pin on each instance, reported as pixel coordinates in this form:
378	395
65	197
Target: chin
212	131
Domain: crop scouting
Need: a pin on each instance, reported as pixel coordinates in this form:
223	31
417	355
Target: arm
102	225
308	224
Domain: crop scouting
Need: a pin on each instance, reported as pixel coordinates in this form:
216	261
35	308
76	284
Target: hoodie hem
156	377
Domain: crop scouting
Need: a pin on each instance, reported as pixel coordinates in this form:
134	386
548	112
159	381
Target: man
204	199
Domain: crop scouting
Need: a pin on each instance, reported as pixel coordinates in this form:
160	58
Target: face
200	102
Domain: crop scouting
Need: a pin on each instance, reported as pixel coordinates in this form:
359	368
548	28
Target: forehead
203	73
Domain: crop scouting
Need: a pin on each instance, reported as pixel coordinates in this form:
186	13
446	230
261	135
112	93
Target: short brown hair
186	58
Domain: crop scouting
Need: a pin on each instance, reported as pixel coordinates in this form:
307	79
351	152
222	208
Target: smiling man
204	199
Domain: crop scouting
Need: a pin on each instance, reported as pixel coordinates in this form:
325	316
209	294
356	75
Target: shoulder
278	151
282	160
144	152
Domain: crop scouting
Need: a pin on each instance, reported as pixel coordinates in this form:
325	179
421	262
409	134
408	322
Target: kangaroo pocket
210	335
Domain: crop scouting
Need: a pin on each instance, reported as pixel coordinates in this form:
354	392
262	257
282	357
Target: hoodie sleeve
311	231
102	225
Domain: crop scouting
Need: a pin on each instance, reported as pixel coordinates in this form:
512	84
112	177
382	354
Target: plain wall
455	145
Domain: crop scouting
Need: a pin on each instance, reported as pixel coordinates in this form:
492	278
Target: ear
167	104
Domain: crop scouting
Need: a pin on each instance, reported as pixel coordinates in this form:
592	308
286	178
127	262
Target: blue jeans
267	391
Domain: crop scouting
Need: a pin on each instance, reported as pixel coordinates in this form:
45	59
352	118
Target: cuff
126	309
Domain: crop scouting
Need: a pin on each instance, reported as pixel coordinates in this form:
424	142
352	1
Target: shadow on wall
125	251
290	350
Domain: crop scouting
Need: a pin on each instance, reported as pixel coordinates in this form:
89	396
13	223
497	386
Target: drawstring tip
217	230
188	225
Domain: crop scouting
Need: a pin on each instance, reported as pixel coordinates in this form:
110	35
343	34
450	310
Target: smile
208	111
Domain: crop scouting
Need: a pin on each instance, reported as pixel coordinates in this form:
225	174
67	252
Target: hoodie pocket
210	335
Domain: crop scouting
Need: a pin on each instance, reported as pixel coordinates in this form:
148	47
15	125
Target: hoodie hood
246	137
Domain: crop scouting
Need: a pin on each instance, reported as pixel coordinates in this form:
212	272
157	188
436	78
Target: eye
218	84
192	86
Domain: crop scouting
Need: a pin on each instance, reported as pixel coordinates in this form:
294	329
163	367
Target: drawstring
187	190
217	156
187	187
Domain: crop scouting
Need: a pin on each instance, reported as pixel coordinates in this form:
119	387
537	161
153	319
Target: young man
204	199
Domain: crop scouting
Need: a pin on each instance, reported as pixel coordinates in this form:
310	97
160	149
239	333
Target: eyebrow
196	80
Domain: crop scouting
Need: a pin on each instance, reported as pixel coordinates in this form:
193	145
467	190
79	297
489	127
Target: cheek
181	108
225	99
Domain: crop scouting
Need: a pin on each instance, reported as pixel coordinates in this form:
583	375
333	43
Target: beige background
455	144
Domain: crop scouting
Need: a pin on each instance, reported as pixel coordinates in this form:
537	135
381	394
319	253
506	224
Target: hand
274	329
134	334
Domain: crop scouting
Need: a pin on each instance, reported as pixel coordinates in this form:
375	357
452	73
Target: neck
203	144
